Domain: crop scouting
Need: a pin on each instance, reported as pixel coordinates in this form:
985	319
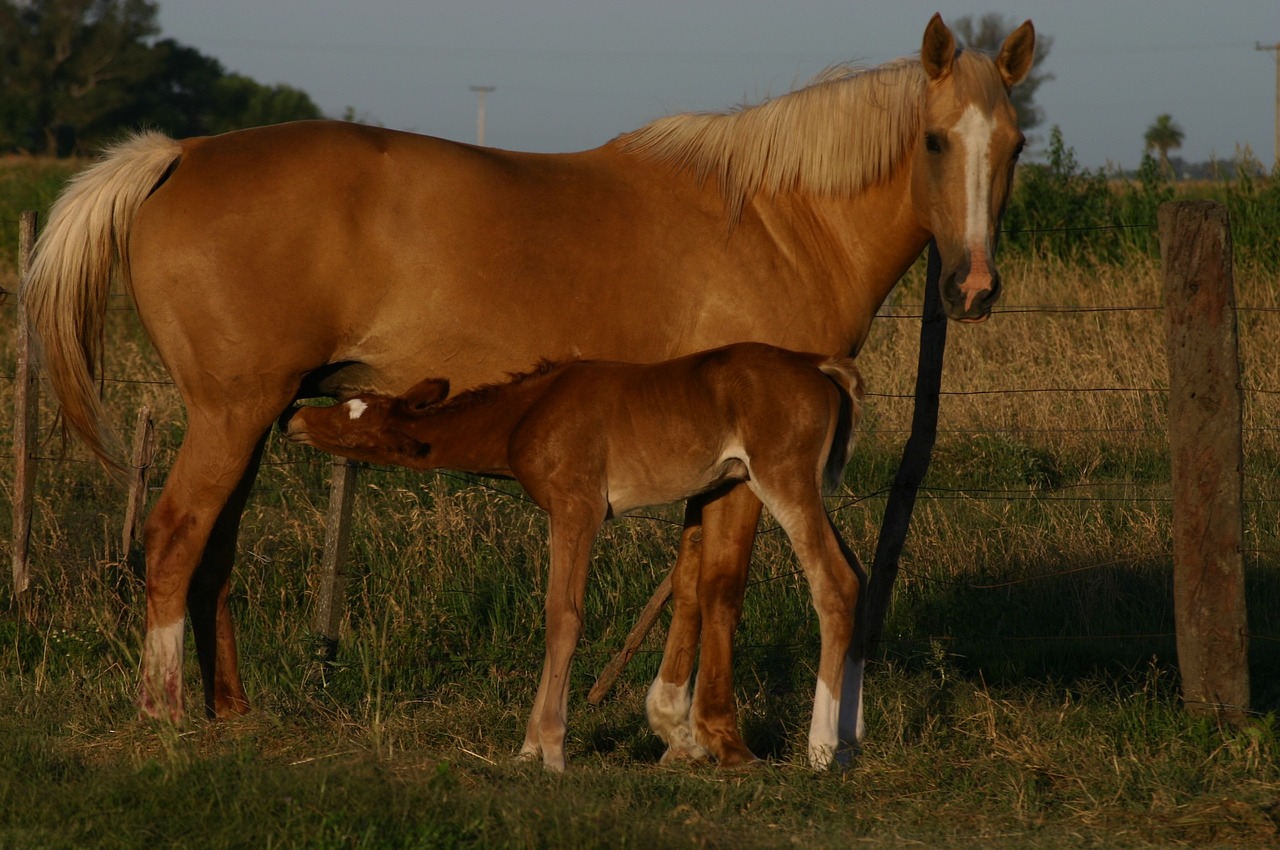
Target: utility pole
1274	48
480	91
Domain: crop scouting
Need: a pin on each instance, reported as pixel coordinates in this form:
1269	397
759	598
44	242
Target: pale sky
572	74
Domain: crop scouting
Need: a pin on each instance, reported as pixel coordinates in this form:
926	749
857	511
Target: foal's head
367	427
962	170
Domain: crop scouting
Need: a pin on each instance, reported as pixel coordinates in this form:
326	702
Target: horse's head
368	427
963	164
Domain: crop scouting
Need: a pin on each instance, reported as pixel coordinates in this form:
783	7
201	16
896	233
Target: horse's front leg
573	529
667	704
728	535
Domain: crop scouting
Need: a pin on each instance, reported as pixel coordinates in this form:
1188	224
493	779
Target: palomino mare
331	258
590	440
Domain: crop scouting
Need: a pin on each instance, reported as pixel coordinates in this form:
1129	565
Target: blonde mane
846	130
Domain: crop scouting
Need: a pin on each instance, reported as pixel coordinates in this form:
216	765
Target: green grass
1108	761
1026	694
26	185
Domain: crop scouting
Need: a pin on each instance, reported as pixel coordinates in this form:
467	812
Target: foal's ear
426	393
938	51
1017	55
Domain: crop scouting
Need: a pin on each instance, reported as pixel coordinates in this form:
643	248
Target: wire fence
1112	491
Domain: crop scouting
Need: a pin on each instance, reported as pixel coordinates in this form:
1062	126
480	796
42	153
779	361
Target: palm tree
1164	135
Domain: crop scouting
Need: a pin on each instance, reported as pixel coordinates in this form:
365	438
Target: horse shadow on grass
1063	626
1067	622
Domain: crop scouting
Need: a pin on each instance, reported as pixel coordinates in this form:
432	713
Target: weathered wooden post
143	454
333	564
1205	423
26	405
635	637
915	464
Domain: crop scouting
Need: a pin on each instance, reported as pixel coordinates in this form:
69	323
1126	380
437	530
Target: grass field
1026	694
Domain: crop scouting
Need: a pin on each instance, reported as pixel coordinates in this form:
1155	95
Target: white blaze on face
355	407
976	131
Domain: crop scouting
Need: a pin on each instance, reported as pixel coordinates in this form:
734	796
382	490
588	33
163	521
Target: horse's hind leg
728	534
211	624
851	726
834	585
667	704
204	490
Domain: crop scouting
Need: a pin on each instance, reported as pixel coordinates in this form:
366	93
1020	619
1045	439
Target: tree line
73	72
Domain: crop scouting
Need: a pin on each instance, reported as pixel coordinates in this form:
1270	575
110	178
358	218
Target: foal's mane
489	393
846	130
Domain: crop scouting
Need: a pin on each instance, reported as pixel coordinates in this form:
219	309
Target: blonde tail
66	288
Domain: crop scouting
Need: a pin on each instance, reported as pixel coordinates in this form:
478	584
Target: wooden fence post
330	594
26	405
1205	424
915	464
143	454
635	637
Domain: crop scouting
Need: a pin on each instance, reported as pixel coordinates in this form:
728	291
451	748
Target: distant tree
69	67
74	73
179	96
987	35
241	102
350	113
1162	136
191	94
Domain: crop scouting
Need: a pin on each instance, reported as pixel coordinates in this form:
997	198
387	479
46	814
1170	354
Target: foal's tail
844	373
65	291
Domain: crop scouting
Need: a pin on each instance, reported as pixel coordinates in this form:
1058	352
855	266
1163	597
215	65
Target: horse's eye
1017	151
932	143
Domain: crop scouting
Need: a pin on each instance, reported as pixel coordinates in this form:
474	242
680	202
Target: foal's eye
932	143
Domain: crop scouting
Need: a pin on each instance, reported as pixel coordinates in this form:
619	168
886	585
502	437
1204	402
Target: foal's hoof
528	755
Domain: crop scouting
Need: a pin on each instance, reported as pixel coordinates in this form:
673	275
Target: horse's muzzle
967	299
288	426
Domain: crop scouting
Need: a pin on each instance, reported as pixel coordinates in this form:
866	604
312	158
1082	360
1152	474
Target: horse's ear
1017	55
938	51
426	393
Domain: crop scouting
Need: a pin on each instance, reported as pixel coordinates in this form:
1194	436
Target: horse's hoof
738	758
156	710
687	752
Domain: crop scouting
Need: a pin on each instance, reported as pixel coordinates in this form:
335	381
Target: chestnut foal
590	440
